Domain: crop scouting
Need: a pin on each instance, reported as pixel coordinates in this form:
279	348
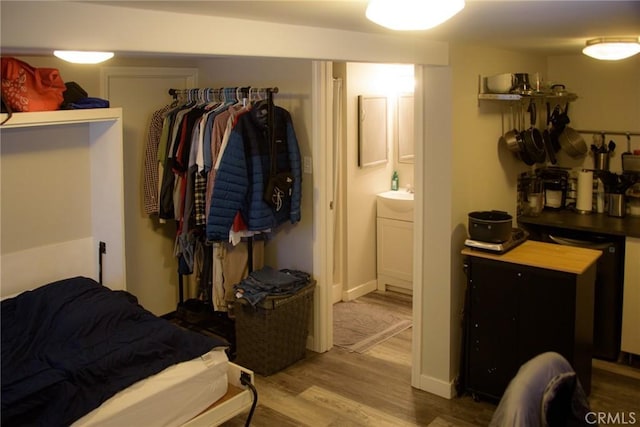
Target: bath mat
358	326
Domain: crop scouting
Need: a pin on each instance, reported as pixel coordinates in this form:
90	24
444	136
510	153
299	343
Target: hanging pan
512	136
533	142
573	143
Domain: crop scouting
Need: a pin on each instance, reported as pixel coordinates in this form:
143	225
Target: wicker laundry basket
273	335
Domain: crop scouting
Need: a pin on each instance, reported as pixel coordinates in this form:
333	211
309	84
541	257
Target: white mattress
169	398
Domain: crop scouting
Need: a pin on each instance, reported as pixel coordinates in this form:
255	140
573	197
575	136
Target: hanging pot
573	143
511	137
490	226
512	140
522	152
559	90
533	142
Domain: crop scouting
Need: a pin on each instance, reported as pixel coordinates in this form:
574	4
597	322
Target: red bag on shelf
27	88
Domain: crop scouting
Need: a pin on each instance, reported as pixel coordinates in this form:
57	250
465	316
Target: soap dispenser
395	181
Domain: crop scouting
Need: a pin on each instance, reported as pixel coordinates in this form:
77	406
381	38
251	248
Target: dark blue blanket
70	345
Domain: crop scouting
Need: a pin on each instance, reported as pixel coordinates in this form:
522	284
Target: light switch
307	164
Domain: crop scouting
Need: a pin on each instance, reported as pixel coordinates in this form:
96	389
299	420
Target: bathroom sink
396	195
395	205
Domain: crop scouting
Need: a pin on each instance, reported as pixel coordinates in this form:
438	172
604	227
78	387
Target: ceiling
549	27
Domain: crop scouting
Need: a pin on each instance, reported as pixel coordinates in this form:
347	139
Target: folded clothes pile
267	282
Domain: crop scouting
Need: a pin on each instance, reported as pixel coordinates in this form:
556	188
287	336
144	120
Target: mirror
405	129
372	130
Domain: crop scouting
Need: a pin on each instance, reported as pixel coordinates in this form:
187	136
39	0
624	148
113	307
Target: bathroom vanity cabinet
394	253
394	241
535	298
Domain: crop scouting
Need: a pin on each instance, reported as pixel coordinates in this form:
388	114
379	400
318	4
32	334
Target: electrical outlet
245	378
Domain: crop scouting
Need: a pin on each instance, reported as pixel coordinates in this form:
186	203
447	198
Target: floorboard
340	388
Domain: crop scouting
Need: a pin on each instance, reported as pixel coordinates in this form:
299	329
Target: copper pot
572	142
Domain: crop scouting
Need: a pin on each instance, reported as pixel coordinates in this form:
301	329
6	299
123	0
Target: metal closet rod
174	92
608	132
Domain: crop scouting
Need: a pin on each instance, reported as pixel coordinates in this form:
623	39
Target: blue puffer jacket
244	171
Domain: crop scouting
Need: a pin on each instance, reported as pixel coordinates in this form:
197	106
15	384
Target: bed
77	348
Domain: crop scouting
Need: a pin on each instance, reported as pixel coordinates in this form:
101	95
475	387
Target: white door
151	268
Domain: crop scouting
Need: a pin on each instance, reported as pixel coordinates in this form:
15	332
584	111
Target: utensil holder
601	161
617	205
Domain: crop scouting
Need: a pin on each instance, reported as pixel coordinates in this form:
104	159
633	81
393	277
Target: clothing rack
220	95
223	93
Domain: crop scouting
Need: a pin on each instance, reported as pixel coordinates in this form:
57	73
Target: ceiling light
83	57
612	49
410	15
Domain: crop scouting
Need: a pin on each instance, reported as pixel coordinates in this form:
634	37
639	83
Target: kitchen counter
568	259
628	226
534	298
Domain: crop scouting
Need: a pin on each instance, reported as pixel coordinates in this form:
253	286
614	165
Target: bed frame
74	221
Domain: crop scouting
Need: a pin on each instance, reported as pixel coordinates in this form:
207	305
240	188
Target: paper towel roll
585	191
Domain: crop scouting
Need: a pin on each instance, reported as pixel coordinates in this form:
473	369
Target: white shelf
60	117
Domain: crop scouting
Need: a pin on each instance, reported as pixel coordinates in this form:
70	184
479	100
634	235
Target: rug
358	326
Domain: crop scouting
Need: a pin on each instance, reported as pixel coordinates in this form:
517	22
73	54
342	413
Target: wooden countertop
549	256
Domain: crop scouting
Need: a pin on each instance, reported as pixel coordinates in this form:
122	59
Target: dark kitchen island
535	298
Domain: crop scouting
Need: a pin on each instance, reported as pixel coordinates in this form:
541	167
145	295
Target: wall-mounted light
83	57
612	48
408	15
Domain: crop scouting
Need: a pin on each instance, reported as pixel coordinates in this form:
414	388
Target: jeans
267	281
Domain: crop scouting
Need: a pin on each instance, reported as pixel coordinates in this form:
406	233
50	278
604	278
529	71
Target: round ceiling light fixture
412	15
612	48
83	57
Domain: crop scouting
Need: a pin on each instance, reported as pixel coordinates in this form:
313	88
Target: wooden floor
338	388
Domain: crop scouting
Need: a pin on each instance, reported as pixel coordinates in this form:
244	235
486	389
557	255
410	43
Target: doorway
354	196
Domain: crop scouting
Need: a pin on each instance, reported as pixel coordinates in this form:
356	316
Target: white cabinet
630	342
62	195
394	241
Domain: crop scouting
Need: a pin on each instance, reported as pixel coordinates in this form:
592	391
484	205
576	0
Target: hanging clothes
207	161
244	171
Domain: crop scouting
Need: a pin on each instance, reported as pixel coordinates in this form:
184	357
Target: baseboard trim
360	290
438	387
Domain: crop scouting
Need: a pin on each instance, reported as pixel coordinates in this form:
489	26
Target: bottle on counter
395	181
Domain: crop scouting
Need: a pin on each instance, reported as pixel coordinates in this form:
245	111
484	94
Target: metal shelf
518	97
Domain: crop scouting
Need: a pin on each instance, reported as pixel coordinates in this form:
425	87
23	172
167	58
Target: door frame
324	214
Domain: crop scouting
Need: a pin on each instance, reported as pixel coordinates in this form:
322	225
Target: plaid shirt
150	184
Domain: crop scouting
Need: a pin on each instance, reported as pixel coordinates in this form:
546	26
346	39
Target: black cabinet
514	312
